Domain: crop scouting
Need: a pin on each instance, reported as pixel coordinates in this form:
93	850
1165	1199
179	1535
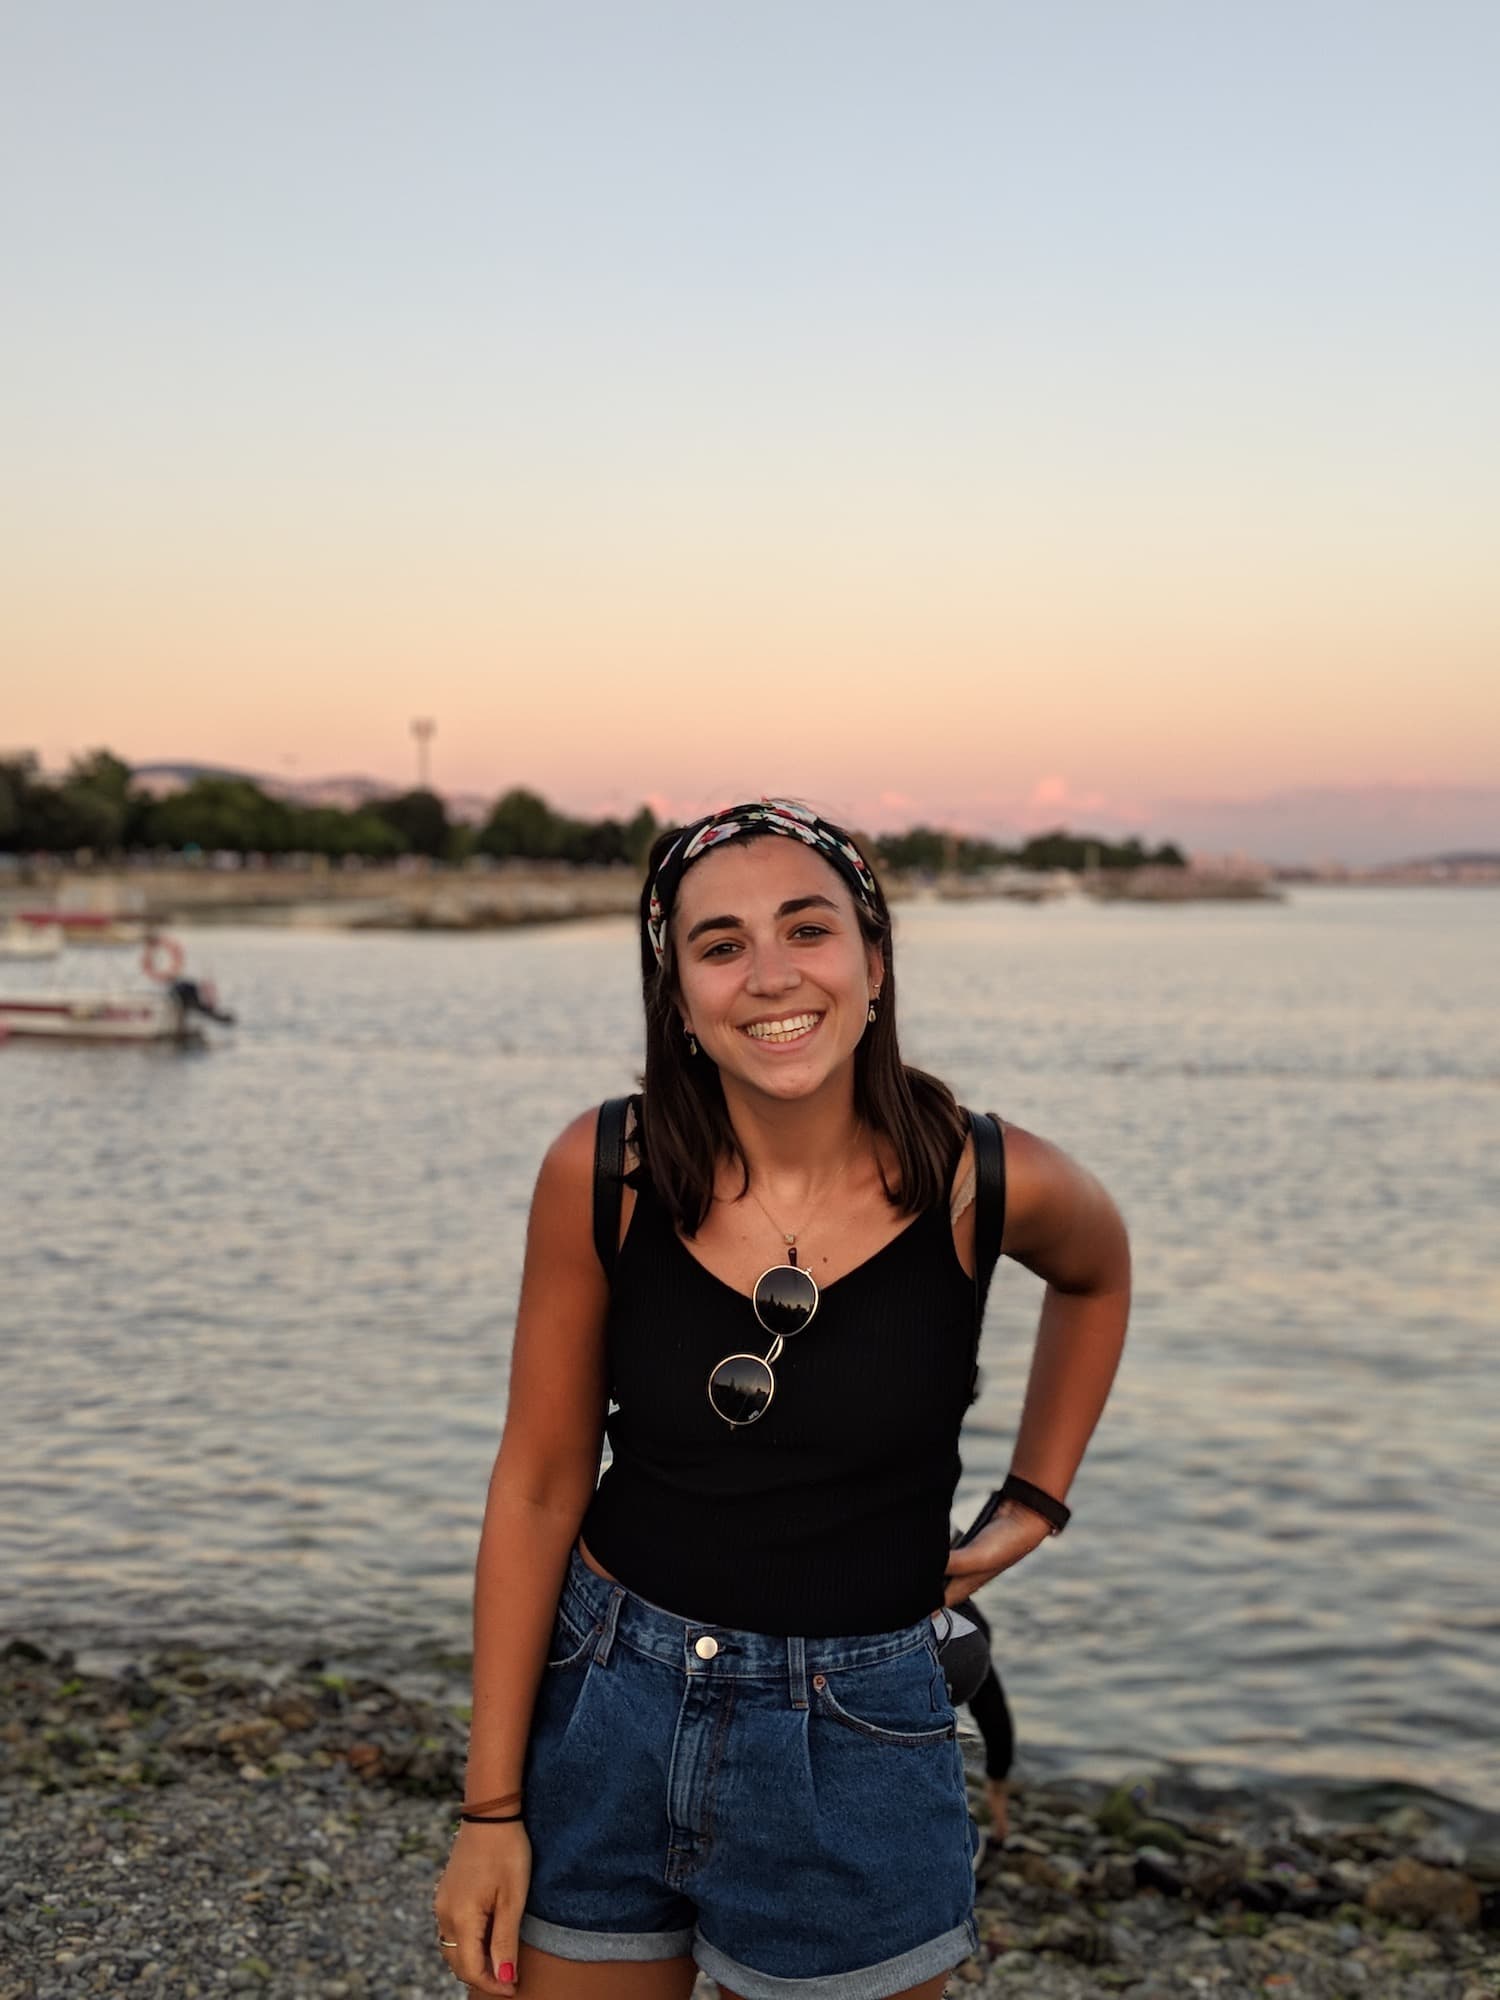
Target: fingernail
506	1971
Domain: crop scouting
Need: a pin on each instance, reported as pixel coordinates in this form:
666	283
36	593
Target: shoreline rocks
178	1827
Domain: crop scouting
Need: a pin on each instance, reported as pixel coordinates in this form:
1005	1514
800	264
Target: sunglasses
741	1387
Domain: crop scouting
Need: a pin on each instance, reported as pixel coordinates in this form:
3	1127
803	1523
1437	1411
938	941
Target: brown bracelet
489	1805
484	1819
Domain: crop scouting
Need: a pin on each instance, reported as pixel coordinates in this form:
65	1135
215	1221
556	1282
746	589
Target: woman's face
774	976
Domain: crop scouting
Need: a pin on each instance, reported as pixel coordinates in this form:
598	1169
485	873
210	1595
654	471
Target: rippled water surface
257	1306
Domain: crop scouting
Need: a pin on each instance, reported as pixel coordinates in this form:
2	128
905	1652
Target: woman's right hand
479	1899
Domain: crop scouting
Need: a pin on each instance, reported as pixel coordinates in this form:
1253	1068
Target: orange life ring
162	959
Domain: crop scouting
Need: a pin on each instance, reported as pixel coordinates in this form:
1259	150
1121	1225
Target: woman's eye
724	945
810	930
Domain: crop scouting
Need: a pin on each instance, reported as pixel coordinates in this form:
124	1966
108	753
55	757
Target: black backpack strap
989	1204
609	1180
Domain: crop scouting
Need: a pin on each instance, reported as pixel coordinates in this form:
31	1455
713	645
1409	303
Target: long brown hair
685	1130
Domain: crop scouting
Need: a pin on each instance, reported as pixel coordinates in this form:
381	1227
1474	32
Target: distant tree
86	810
326	830
974	854
20	780
421	819
522	826
597	842
1058	849
639	834
463	840
921	848
96	805
228	813
1079	851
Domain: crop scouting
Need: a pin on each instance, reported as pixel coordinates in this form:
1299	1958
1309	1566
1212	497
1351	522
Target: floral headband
768	816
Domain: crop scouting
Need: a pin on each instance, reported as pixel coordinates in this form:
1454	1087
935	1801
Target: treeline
95	808
928	850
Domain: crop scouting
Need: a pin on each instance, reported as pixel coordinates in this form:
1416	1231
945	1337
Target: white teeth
782	1031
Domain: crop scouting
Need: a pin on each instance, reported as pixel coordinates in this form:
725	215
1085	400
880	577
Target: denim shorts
789	1812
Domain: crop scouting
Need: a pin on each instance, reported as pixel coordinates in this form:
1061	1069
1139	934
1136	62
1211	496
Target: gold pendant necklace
789	1236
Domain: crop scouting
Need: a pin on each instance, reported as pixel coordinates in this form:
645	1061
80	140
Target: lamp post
422	729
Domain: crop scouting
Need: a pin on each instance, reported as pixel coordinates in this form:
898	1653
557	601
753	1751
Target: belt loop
796	1668
611	1620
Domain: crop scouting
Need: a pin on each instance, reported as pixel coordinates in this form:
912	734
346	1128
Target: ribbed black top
828	1516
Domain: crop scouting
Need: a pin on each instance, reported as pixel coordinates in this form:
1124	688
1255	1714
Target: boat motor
195	997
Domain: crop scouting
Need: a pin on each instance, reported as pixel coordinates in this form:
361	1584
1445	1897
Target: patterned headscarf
766	816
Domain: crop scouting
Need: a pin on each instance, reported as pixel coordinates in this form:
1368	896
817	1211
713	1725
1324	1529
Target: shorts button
706	1647
819	1681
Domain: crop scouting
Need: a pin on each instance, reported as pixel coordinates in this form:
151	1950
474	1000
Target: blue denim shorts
789	1812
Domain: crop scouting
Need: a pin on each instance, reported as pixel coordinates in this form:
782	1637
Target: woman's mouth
783	1033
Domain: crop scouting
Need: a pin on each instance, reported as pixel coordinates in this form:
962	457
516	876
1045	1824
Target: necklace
789	1236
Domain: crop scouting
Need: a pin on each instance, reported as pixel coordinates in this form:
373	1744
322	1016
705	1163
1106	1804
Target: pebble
131	1814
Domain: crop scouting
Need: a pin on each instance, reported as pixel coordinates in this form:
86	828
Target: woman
709	1720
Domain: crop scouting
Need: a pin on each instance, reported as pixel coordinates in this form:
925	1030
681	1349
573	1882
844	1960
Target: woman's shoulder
573	1151
570	1164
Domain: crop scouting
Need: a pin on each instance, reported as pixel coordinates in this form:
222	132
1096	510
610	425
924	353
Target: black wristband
1052	1511
488	1819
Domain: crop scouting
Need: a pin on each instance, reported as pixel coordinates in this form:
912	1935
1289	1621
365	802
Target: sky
992	414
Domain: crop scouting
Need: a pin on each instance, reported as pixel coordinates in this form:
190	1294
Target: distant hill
347	794
161	780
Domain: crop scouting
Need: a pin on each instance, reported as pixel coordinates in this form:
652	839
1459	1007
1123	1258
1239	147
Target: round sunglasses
741	1387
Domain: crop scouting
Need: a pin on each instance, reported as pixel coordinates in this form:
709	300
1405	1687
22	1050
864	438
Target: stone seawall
378	898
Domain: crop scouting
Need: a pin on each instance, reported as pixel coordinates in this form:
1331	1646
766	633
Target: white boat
98	1017
173	1010
30	940
89	927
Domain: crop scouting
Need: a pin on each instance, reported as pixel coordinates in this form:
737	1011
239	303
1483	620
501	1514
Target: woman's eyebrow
787	909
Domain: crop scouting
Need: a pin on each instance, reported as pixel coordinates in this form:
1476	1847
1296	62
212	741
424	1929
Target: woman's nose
771	970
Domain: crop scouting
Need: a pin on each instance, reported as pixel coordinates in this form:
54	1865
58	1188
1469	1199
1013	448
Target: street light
423	729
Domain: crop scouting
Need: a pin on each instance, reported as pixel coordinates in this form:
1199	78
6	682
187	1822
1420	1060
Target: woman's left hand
1014	1533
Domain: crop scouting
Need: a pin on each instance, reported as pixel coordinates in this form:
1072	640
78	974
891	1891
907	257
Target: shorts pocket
571	1638
888	1703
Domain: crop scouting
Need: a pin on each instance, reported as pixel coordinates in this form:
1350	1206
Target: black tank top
829	1515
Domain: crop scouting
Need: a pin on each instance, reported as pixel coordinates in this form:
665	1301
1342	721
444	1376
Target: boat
173	1009
89	927
30	940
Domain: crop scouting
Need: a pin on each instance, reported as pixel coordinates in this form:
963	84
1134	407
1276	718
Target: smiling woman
707	1684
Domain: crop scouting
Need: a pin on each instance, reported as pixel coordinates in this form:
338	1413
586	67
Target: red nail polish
507	1971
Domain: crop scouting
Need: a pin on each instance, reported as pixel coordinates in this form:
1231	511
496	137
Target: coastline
423	896
182	1825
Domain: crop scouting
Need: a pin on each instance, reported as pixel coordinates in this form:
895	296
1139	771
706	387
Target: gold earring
692	1044
873	998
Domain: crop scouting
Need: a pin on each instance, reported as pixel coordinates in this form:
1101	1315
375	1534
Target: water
258	1302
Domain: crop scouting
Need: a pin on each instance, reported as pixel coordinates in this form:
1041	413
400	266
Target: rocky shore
184	1826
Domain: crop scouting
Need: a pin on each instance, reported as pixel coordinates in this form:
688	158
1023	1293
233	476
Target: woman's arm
539	1490
548	1462
1062	1225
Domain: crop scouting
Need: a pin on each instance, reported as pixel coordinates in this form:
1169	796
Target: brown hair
685	1129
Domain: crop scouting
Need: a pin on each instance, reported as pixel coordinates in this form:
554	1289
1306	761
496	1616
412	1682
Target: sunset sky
992	413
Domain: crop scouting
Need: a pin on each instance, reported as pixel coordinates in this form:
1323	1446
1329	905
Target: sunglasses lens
785	1299
740	1388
